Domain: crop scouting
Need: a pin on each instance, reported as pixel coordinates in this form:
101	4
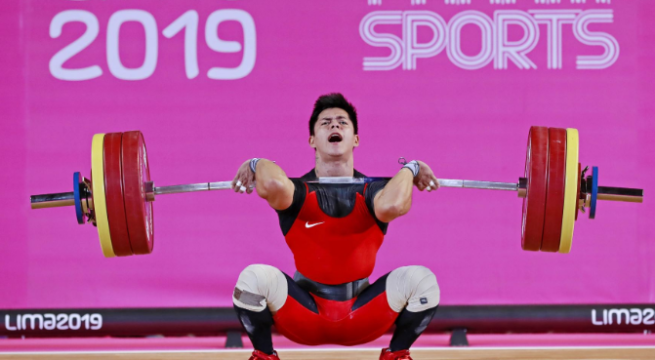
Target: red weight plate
139	211
120	238
555	189
534	203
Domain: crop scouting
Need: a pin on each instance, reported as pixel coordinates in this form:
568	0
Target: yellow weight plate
99	200
570	190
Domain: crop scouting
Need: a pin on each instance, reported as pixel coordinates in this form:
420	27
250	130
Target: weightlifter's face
334	134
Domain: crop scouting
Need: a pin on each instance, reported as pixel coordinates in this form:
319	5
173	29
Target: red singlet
332	230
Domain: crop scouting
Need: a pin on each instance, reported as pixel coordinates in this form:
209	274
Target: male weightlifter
334	232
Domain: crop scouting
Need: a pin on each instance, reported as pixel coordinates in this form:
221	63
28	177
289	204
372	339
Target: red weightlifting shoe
258	355
395	355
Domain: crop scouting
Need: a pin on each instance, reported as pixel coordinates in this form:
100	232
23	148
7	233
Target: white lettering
632	316
648	317
8	324
216	44
62	320
113	50
515	50
57	62
96	321
594	318
74	321
50	321
486	53
390	41
32	318
554	20
413	49
618	313
495	44
85	319
189	22
607	41
636	317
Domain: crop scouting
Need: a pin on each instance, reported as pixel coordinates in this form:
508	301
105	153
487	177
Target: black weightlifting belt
341	292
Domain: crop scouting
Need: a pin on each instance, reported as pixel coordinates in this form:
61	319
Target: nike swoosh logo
308	225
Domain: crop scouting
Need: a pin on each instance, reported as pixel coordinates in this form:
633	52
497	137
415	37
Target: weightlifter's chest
334	215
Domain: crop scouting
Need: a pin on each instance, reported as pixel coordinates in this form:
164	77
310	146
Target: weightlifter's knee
412	287
260	286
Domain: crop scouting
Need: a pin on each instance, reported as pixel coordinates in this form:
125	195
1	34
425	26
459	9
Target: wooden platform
535	353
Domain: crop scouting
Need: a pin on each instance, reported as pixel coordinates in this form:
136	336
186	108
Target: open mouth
335	138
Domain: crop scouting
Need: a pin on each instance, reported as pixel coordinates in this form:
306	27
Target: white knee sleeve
412	287
260	286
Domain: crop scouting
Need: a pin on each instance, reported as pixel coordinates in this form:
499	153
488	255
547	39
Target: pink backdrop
465	123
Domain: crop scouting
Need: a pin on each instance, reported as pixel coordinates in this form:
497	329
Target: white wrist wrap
413	166
253	164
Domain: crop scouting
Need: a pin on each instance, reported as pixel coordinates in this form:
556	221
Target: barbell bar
604	192
554	189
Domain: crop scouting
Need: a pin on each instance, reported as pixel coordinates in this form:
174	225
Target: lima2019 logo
618	316
49	321
398	31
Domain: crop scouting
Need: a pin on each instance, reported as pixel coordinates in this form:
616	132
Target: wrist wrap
413	166
253	164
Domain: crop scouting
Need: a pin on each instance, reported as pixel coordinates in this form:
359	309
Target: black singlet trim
330	199
371	292
301	295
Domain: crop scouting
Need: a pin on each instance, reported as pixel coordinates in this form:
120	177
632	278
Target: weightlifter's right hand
244	180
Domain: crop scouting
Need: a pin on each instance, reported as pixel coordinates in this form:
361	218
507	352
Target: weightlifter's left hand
425	180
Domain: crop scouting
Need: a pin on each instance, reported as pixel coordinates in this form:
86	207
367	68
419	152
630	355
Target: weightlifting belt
341	292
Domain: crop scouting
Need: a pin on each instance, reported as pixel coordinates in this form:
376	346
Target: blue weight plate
77	190
594	192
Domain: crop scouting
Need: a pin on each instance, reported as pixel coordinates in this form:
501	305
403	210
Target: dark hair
333	100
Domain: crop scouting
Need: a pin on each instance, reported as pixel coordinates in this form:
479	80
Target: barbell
117	197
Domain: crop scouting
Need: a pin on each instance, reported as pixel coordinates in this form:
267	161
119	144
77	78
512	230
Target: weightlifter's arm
273	185
395	199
